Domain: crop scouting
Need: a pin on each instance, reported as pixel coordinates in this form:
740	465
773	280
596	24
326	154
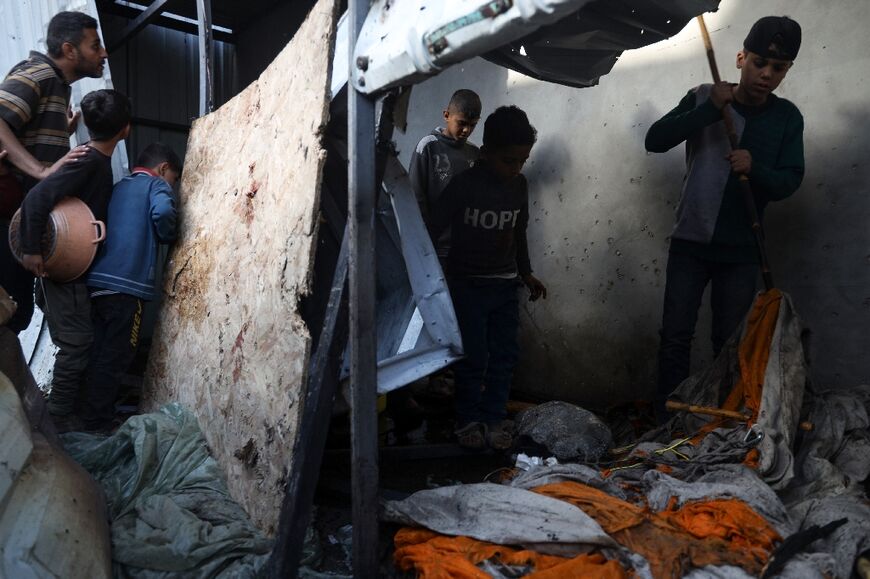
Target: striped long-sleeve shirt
34	99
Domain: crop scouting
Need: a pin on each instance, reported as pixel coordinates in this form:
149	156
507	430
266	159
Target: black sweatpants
67	308
117	319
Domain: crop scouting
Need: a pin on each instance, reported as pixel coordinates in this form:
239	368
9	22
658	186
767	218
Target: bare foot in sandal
472	436
499	435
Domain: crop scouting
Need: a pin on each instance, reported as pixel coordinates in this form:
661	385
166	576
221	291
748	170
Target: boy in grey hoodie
442	154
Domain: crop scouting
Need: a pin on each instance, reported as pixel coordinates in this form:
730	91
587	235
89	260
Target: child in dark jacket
66	306
142	214
442	154
487	208
712	241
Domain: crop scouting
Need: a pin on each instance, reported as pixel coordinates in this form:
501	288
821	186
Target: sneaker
499	436
471	436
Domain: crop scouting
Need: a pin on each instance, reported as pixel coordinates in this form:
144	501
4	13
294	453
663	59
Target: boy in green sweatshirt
712	241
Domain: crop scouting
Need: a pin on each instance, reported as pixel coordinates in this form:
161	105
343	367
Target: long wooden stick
674	406
748	197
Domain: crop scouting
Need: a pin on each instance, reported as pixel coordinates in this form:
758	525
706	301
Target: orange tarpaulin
435	556
715	532
752	355
728	519
698	534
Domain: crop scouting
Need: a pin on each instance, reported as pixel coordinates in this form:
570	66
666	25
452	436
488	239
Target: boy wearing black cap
712	241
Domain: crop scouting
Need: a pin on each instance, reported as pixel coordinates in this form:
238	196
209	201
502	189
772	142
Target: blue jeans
488	314
731	294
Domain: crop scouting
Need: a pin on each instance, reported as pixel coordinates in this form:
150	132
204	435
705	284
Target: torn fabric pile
723	499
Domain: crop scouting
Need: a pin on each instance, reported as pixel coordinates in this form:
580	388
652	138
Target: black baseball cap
774	37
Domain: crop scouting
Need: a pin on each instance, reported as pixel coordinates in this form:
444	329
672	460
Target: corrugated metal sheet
159	69
24	23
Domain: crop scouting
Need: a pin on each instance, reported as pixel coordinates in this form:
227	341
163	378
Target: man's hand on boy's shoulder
536	288
71	157
34	264
722	93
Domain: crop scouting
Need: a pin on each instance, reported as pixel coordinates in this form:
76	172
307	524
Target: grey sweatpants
67	308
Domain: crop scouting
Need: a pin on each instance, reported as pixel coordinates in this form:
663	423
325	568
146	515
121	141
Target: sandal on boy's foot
499	435
471	436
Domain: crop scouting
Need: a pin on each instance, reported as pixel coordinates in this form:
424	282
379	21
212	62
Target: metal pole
323	383
363	336
206	58
148	15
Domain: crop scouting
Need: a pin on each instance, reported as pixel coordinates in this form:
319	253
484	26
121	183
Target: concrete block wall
602	208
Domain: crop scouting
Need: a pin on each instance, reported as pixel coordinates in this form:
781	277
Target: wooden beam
206	57
140	22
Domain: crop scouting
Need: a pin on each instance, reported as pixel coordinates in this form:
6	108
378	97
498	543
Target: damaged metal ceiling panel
570	42
429	335
579	49
230	343
417	329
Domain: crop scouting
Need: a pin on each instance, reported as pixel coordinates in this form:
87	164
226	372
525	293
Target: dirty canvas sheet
736	492
835	456
711	533
763	373
170	510
500	514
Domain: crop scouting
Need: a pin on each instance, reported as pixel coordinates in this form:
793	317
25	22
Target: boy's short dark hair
67	27
157	153
466	102
506	127
106	112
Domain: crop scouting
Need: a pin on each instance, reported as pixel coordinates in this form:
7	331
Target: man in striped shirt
35	128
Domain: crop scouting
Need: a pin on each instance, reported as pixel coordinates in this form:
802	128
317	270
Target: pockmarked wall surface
602	208
230	343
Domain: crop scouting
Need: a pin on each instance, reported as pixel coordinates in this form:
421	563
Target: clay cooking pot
70	242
